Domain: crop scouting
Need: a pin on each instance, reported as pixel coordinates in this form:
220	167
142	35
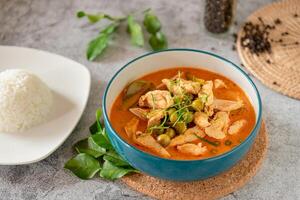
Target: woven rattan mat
279	70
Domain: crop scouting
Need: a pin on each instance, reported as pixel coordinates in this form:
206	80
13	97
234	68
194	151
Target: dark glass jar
219	15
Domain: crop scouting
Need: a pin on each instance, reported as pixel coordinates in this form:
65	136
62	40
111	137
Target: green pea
188	117
171	111
180	127
170	132
173	117
157	131
164	140
197	105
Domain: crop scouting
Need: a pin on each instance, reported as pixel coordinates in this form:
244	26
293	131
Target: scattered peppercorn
256	38
277	21
268	61
275	83
296	43
213	48
295	15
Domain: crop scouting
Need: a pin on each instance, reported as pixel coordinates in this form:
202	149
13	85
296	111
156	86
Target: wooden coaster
211	188
279	70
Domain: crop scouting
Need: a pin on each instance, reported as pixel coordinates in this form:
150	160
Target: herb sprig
97	155
215	144
157	40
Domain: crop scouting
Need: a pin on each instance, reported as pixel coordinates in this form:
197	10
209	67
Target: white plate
70	83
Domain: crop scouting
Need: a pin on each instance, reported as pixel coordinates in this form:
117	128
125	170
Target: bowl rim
236	148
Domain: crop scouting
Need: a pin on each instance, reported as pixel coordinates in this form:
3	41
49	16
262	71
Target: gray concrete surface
52	26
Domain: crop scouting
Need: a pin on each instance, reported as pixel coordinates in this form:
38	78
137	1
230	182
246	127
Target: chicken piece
218	126
188	136
218	83
162	85
156	99
131	127
195	130
192	149
236	126
182	86
146	140
227	105
182	139
207	89
154	117
221	120
140	113
201	119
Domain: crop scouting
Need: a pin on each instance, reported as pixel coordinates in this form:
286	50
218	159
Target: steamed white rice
25	100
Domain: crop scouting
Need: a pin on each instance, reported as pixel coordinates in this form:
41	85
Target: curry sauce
119	117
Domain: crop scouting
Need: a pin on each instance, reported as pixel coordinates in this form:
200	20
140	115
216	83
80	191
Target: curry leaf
97	46
98	116
93	150
116	159
136	32
158	41
89	146
151	22
94	128
93	18
102	141
83	166
112	172
111	28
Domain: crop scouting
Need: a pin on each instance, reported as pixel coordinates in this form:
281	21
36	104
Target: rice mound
25	100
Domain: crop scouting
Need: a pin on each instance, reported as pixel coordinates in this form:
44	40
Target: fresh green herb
90	147
93	18
151	22
97	151
111	171
136	32
208	141
99	44
83	165
160	126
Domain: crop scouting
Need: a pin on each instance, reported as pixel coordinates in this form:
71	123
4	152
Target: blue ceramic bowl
179	170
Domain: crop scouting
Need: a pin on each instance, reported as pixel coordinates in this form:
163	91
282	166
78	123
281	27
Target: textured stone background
52	26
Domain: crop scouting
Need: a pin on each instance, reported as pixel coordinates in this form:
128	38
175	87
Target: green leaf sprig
97	155
96	46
